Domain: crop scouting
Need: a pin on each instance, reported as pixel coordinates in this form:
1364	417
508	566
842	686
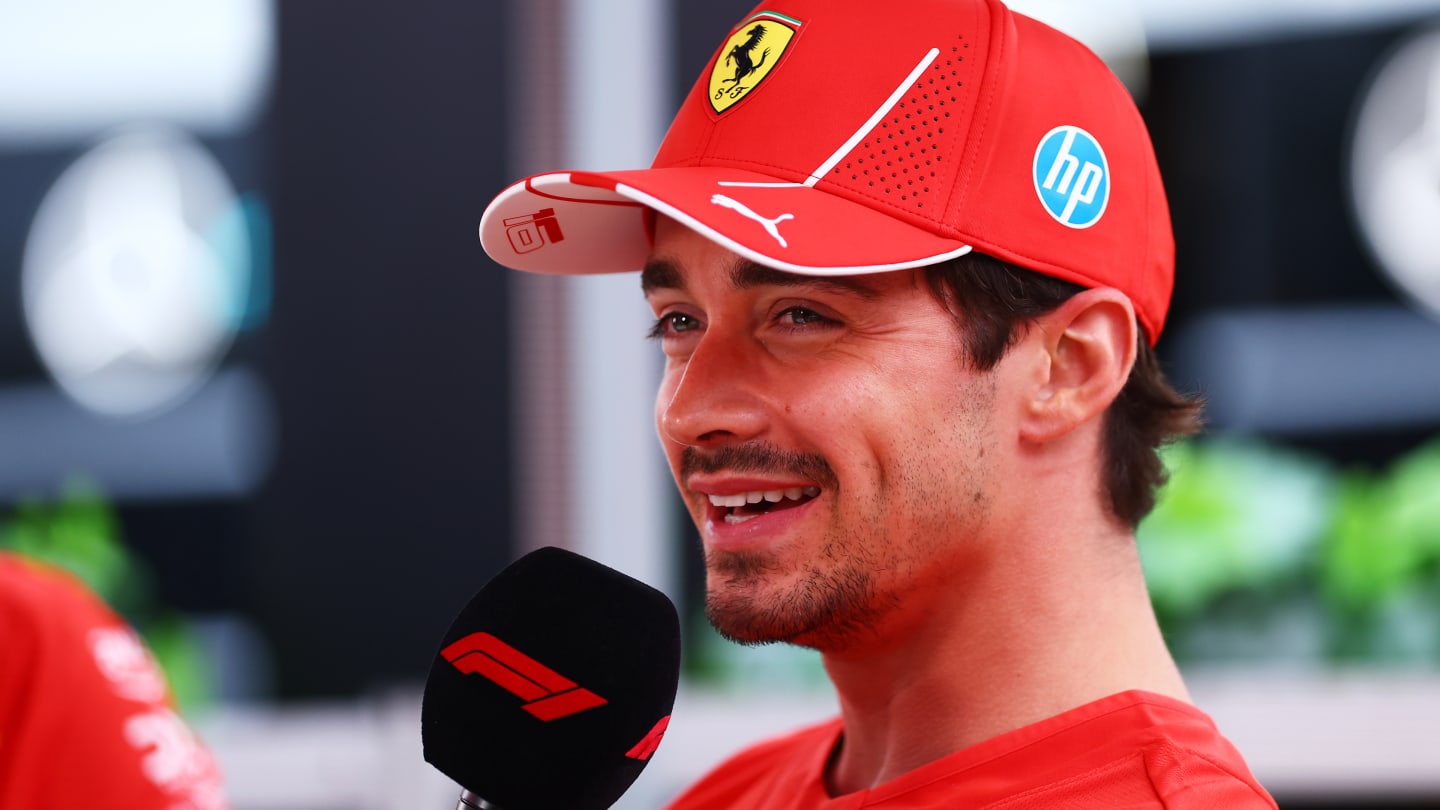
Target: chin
745	628
802	618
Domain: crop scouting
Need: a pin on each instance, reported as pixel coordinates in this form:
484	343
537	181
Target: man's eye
672	323
800	316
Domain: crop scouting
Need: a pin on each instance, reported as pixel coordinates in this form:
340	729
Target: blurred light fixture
136	272
1394	167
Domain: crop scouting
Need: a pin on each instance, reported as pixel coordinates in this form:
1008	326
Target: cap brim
592	222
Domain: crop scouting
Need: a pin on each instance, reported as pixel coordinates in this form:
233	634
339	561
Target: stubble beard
827	609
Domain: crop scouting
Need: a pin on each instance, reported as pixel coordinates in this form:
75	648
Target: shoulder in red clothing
86	711
1130	750
778	772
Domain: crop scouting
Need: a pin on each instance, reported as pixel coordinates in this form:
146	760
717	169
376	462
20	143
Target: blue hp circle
1072	176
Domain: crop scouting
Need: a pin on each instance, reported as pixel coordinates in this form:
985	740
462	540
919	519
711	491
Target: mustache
757	457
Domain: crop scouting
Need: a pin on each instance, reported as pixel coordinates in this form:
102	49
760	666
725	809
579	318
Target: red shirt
86	718
1127	751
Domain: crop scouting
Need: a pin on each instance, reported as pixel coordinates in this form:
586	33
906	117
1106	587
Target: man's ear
1087	347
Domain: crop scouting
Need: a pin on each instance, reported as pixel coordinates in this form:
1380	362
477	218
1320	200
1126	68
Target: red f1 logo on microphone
548	695
645	749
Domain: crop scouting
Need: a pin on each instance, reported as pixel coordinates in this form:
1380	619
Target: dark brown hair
994	302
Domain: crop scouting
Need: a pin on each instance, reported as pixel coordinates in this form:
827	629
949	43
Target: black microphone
553	686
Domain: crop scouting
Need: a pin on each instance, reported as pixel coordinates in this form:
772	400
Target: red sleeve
85	715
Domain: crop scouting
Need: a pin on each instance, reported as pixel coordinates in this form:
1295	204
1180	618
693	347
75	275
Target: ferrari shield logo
748	56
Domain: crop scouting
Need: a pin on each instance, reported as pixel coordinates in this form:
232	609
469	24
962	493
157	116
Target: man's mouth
743	506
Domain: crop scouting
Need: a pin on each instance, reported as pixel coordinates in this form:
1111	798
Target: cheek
962	448
941	445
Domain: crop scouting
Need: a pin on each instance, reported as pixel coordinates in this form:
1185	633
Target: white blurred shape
71	68
126	300
1113	29
1395	167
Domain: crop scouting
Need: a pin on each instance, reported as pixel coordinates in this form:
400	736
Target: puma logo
770	225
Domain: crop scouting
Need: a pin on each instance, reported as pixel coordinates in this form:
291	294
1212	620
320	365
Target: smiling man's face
833	447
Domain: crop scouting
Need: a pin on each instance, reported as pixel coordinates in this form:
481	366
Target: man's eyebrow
661	274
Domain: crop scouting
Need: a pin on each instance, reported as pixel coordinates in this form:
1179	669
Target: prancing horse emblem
770	225
748	56
740	55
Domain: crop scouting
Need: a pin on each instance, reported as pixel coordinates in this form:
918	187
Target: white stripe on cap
865	128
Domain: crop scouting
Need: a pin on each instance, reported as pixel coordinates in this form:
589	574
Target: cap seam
995	59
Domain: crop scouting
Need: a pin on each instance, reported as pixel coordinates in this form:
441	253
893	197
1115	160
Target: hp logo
1072	177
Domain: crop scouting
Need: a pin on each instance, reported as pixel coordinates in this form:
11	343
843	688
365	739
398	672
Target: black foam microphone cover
553	686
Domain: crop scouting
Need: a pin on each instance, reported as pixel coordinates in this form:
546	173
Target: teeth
771	495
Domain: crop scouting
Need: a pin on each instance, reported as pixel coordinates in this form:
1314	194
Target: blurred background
261	387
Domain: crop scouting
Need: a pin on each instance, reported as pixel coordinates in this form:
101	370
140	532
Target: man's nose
719	398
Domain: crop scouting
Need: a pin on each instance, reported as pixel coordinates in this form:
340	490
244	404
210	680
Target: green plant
1258	551
1380	572
81	533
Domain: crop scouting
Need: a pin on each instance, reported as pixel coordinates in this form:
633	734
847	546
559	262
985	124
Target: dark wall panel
390	501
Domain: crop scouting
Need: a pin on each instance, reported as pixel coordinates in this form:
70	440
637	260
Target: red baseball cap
839	137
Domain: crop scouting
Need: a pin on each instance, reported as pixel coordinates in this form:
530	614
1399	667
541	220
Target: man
908	264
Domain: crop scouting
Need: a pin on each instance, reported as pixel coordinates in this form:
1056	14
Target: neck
1048	627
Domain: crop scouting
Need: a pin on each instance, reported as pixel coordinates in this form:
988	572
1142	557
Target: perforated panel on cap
903	161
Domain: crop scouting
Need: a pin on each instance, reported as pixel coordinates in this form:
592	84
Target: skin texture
949	554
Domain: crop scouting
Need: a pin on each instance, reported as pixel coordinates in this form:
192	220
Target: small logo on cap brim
748	56
533	231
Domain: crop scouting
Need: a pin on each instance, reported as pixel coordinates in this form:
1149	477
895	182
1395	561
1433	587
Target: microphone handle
469	801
